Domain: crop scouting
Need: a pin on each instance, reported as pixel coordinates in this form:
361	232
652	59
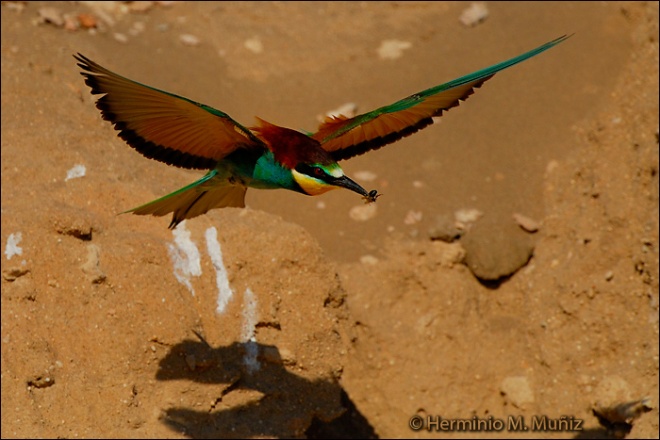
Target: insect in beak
371	197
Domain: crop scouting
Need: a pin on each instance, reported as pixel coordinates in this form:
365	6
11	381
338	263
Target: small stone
362	213
122	38
254	45
609	275
71	23
91	266
369	260
137	28
42	381
392	49
495	250
444	230
14	273
446	254
87	21
12	247
140	6
189	40
15	6
526	223
106	12
466	216
551	166
475	14
517	391
51	15
412	217
75	172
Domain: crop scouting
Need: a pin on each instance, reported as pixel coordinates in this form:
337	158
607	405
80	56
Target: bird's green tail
195	199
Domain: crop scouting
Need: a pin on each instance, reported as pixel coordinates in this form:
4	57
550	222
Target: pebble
122	38
281	356
140	6
473	15
444	230
71	23
13	273
517	391
412	217
446	254
41	381
51	15
496	249
369	260
254	45
75	172
526	223
189	40
465	216
12	247
392	49
362	213
87	21
137	28
551	166
15	6
91	266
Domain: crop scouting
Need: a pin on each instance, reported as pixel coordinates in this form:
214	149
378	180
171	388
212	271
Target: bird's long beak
346	182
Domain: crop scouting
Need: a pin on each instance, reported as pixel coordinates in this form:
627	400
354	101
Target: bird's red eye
318	172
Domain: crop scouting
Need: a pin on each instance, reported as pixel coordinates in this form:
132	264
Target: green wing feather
161	125
195	199
345	138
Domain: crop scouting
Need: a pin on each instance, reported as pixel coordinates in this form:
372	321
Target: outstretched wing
345	138
161	125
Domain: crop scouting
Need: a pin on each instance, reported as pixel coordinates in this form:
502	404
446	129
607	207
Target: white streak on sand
224	291
185	256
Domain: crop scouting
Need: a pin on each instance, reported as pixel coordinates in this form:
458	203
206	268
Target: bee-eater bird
187	134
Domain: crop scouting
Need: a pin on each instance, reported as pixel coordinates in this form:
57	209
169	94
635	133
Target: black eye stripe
314	171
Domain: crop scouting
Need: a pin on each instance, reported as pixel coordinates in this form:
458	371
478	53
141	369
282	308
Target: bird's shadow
260	398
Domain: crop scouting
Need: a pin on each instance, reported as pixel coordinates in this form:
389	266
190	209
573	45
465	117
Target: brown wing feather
345	138
164	126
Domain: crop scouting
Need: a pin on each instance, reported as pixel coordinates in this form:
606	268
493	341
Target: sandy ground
309	317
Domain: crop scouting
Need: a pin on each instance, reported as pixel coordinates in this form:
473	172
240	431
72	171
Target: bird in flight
184	133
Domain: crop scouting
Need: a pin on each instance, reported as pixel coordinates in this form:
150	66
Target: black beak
347	183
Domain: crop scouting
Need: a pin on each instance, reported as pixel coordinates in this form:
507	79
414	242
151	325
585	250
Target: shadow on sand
279	403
